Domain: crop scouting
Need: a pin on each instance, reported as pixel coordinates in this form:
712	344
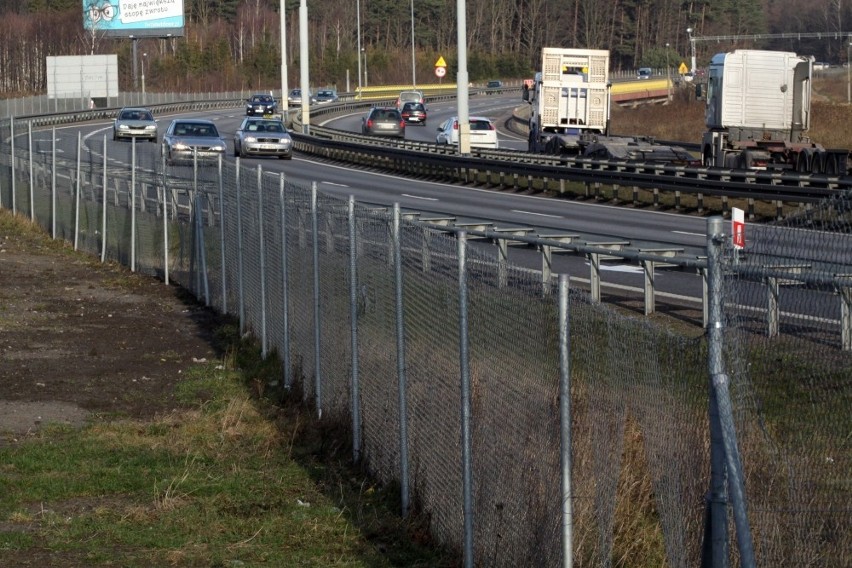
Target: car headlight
123	127
218	148
180	146
250	139
151	127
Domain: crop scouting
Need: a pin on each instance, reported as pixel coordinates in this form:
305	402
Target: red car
414	113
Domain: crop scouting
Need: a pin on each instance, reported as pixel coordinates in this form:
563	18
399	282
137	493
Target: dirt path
80	339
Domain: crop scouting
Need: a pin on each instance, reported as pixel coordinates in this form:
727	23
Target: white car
483	133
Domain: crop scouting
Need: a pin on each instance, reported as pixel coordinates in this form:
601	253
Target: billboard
134	18
82	76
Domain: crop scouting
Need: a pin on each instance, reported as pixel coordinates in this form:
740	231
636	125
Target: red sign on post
738	228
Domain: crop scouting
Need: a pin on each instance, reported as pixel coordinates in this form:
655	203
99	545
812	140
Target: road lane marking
522	212
335	184
419	197
689	234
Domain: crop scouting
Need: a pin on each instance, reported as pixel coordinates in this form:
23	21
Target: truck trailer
570	102
758	114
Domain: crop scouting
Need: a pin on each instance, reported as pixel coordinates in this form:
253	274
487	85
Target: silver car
134	123
263	137
189	138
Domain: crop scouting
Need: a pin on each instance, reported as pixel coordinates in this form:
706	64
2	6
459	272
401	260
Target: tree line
236	44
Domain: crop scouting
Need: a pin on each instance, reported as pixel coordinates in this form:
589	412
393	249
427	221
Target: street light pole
364	51
413	64
692	47
285	103
144	58
668	75
358	23
849	72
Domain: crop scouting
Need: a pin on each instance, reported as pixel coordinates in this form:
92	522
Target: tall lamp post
413	65
668	75
849	72
144	59
358	23
692	47
364	51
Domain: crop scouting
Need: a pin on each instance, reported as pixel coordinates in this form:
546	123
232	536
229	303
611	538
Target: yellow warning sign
683	68
440	62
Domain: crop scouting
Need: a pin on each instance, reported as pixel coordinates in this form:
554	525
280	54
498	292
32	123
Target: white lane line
335	184
689	234
420	197
522	212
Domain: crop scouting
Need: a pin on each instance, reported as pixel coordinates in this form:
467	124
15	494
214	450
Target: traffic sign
683	68
738	228
440	62
440	72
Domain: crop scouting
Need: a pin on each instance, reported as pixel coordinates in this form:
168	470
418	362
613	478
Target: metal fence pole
77	193
464	368
317	306
133	204
104	202
353	324
726	468
202	254
715	551
285	287
264	344
222	235
566	446
53	185
32	180
12	142
240	294
400	362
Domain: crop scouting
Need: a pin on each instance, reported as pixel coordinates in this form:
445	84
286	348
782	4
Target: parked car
414	113
644	73
189	138
493	87
410	97
483	133
295	97
383	121
263	137
261	104
326	96
134	123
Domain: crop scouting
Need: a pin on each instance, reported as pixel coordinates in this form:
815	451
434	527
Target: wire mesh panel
787	304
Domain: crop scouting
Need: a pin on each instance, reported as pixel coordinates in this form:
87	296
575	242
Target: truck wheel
707	158
803	164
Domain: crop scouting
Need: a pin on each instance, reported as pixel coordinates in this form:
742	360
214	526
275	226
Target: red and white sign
738	228
440	72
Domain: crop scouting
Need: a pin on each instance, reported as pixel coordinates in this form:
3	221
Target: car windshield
135	115
326	93
480	125
262	99
385	114
412	106
495	84
267	126
410	96
195	129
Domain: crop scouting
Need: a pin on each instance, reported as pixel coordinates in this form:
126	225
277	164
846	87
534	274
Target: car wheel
236	151
114	136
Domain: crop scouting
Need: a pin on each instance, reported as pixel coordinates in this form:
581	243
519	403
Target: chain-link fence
446	366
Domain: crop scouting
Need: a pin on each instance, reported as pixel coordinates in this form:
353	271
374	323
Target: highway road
592	222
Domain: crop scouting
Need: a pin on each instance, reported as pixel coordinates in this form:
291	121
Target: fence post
222	235
53	185
104	203
12	142
565	423
725	465
32	180
285	294
400	362
464	368
133	204
353	324
262	253
317	306
77	193
201	249
240	294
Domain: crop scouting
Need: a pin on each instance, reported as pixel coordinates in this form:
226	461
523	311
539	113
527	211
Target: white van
644	73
